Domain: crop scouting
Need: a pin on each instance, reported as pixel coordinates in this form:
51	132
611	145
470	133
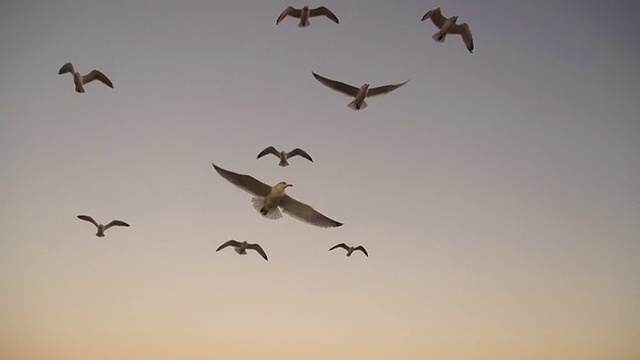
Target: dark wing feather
269	150
300	152
337	85
341	245
228	243
289	11
464	30
257	248
97	75
66	68
361	249
306	213
324	11
384	89
88	218
116	223
436	16
244	182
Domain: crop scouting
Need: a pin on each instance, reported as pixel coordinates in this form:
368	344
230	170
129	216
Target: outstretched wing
342	245
244	182
324	11
97	75
257	248
289	11
436	16
384	89
337	85
464	30
228	243
88	218
269	150
116	223
66	68
361	249
300	152
306	213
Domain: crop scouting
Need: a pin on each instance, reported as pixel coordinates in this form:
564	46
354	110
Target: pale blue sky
498	193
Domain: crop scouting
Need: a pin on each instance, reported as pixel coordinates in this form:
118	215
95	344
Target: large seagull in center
267	199
358	93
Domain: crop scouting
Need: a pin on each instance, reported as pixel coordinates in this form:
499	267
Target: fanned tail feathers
353	104
273	213
439	37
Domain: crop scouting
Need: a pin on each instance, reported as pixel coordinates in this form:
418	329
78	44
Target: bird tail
353	105
259	204
283	163
79	88
439	36
304	23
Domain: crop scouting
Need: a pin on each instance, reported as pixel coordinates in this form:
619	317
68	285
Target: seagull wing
66	68
384	89
116	223
300	152
228	243
324	11
464	30
342	245
337	85
361	249
436	16
257	248
97	75
88	218
244	182
269	150
289	11
306	213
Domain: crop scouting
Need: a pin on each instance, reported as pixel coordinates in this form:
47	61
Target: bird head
305	8
454	18
283	185
365	86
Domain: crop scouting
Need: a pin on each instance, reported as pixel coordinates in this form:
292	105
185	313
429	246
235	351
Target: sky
497	193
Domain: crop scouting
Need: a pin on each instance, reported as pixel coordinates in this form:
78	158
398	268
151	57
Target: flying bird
80	80
350	249
449	26
305	13
267	199
283	155
241	247
102	228
358	93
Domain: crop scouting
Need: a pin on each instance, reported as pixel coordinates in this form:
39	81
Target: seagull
283	155
80	80
102	228
350	249
241	247
449	26
267	199
305	13
359	93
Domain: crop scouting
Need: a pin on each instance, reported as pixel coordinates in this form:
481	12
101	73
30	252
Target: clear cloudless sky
498	193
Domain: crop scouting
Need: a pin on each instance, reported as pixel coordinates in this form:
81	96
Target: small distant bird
358	93
80	80
449	26
241	248
350	249
305	13
102	228
267	199
283	155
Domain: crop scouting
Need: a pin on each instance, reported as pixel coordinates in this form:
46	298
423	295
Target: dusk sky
497	193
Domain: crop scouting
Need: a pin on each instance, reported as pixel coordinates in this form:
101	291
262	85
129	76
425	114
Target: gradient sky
498	193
